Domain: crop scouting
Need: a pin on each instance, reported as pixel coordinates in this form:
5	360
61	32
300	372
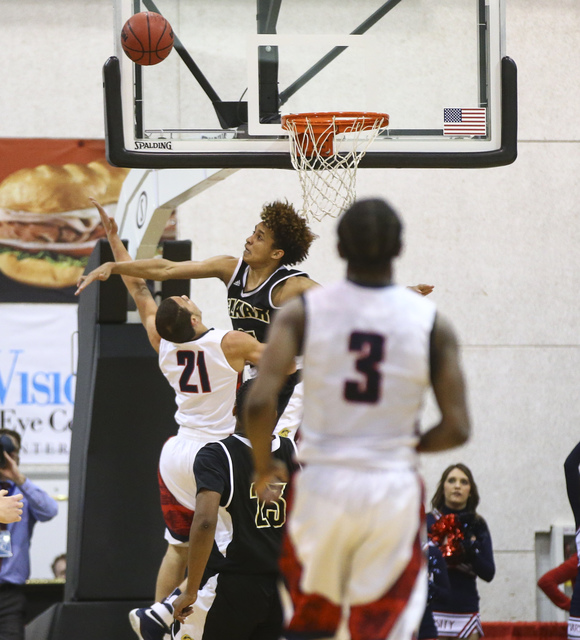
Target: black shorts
246	607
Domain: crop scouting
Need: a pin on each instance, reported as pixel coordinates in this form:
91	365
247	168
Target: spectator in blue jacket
15	537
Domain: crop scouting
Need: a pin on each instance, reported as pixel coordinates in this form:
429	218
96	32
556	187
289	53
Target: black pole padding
177	251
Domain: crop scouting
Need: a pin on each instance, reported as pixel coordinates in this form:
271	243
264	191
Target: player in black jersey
243	602
258	283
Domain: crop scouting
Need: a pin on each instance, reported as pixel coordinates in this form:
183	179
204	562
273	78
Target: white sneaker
148	625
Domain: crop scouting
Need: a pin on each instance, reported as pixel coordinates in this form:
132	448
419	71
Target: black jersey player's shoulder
211	468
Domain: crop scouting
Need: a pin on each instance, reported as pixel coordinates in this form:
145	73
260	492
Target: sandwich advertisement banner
48	226
47	231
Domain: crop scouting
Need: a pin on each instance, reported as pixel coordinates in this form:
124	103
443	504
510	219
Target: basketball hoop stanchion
326	149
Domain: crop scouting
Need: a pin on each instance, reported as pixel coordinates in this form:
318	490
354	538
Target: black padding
177	251
84	621
109	297
123	414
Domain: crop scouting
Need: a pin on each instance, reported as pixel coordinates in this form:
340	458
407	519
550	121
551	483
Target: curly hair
438	500
290	230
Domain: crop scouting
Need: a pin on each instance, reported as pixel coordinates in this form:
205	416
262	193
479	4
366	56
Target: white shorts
457	625
176	472
354	530
176	465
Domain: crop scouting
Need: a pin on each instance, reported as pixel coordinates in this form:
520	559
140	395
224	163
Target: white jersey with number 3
203	381
366	369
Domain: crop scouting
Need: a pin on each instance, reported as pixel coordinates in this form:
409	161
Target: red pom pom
447	534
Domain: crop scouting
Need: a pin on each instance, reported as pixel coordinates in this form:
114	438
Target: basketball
147	38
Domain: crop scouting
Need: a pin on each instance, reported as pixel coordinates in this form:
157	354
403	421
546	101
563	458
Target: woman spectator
465	542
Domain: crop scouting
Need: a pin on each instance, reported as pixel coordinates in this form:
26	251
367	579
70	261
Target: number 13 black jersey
366	369
255	527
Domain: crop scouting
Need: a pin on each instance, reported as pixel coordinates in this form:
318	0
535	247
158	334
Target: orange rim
342	119
325	125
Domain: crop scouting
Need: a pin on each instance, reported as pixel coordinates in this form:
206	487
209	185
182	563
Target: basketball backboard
438	68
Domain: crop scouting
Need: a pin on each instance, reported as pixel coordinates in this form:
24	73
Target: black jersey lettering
239	309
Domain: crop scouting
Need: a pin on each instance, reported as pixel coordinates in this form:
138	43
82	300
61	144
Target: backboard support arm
316	68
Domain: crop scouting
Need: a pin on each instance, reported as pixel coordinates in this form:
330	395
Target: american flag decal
464	122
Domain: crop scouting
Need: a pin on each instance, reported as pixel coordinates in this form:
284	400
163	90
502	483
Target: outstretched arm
137	287
222	267
284	344
449	388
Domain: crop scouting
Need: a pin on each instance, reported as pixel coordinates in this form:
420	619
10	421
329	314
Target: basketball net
326	149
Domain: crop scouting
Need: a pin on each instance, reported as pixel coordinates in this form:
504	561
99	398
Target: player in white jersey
202	365
371	349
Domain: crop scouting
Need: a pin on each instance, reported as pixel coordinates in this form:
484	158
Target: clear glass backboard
437	67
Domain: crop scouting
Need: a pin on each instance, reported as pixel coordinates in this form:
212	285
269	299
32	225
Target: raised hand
100	273
109	223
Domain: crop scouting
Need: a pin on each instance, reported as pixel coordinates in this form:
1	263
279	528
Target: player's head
369	234
290	231
454	475
241	395
58	566
176	319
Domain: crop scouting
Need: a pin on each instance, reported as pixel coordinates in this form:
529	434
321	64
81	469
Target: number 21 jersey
203	381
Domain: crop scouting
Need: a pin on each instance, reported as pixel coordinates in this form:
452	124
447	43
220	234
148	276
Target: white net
326	153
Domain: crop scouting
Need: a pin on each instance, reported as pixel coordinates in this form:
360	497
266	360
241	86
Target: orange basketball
147	38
